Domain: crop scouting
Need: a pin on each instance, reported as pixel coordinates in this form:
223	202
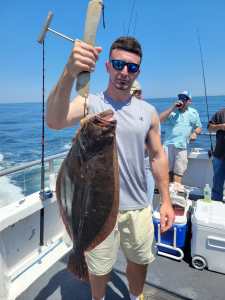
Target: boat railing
24	179
49	159
202	141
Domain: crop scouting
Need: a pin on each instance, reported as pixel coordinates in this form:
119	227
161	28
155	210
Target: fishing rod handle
91	24
45	28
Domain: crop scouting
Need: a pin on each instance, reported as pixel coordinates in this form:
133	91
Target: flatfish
87	187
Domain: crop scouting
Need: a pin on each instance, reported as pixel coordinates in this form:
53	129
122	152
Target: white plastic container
208	236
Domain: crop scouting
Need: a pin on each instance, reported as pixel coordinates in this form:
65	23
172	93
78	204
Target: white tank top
133	123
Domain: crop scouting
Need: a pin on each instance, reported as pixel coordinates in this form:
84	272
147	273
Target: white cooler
208	236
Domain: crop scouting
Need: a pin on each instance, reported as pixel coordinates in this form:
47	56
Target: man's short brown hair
127	43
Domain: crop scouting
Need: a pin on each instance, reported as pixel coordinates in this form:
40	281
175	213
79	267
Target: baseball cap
135	87
184	94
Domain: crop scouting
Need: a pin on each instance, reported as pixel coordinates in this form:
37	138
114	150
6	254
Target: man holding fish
136	121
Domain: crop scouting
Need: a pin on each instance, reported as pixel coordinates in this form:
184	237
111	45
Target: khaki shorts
134	232
177	160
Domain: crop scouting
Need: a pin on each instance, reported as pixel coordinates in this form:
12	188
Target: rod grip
45	28
91	24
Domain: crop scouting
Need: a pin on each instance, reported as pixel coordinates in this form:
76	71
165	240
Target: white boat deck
29	272
166	280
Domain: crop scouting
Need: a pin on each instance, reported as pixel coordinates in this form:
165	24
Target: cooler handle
174	236
212	239
180	252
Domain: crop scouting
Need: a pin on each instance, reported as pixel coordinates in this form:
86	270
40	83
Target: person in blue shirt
182	125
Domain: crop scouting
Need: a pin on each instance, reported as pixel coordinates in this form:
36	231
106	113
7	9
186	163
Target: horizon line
145	98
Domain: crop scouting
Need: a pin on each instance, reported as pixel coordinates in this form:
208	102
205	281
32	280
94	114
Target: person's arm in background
194	134
159	165
215	123
165	114
215	127
60	112
197	128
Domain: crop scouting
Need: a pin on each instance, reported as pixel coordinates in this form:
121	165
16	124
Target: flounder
87	187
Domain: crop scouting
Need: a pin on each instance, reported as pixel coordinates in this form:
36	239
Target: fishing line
135	23
205	89
131	17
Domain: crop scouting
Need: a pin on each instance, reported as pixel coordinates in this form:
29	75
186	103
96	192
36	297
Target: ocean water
20	131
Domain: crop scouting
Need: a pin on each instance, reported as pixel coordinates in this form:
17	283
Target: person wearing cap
136	90
182	125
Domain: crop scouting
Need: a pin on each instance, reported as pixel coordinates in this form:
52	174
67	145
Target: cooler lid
210	214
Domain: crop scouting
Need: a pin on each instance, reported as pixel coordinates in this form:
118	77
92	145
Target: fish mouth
107	115
103	119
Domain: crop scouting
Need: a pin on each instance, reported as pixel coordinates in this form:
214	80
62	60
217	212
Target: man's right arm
159	163
61	112
165	114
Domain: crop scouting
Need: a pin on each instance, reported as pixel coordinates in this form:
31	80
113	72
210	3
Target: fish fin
77	265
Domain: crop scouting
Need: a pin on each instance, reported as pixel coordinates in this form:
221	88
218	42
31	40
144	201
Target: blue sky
166	29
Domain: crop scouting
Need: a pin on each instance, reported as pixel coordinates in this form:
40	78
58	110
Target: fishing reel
46	194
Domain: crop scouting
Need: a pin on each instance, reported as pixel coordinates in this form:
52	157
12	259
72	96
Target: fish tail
77	265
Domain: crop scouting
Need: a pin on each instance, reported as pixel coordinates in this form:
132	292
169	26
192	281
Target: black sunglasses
183	97
120	64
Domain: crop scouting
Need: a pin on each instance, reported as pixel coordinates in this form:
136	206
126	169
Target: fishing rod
46	28
94	10
210	152
45	194
42	191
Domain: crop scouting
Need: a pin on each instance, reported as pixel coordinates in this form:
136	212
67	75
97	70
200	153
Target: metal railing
23	166
24	179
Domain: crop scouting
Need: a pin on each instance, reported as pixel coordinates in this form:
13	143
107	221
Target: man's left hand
167	216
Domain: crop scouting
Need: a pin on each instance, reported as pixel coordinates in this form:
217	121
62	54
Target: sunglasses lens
118	64
183	97
132	68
